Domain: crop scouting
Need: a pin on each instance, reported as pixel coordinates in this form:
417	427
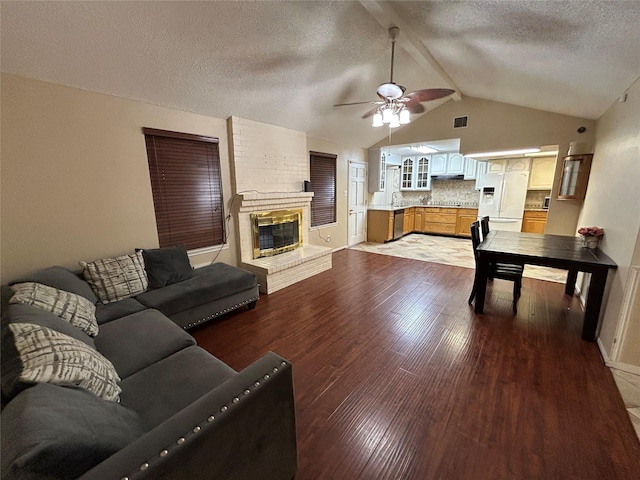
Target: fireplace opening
276	232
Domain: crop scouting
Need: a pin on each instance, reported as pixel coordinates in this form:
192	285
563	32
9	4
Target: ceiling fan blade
415	107
429	94
353	103
370	112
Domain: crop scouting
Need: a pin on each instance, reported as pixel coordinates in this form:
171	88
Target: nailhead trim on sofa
203	424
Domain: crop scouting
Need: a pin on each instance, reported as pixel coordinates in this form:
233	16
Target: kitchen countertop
536	209
391	208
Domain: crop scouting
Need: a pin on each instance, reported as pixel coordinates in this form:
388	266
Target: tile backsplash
443	192
535	198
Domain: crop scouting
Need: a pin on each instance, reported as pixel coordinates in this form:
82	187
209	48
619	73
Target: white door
357	203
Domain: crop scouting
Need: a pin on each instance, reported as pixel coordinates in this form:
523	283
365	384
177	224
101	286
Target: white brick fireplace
270	164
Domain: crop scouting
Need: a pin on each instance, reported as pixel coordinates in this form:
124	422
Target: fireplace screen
276	232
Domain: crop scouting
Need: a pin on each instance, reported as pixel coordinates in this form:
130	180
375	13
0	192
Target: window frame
196	220
323	181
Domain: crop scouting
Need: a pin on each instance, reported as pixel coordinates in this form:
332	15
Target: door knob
350	212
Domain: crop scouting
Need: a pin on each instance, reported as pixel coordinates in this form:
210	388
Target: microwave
545	203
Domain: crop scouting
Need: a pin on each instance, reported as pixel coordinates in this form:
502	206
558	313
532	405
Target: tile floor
629	387
458	252
450	251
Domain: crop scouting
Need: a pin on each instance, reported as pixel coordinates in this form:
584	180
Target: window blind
322	168
186	185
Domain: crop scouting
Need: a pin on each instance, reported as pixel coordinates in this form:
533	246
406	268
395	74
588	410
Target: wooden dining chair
502	271
484	224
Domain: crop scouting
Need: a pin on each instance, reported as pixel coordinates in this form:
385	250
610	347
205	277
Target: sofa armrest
243	429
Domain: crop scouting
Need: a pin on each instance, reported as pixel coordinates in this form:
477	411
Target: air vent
460	122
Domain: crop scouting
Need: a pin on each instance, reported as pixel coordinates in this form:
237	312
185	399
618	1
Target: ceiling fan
394	107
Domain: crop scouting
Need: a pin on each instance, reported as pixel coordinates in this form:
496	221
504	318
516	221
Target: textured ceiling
287	63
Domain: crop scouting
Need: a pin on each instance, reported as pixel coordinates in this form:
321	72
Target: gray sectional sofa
180	414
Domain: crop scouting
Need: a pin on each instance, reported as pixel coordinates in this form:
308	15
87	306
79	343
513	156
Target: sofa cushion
136	341
207	284
47	356
166	387
165	266
62	279
53	432
75	309
105	312
113	279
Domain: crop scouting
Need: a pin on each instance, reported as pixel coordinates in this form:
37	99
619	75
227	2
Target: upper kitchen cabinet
496	166
447	164
377	170
439	164
415	173
470	168
481	169
406	182
423	179
455	164
575	176
518	165
542	172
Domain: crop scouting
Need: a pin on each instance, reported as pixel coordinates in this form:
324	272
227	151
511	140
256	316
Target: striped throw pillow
48	356
76	310
114	279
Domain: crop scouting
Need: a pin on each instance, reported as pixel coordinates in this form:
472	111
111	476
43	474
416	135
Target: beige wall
339	231
613	203
500	126
75	181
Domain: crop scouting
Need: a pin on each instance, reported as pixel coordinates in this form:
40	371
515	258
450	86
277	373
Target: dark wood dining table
556	251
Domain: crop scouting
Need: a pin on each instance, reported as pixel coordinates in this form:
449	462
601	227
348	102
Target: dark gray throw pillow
167	265
55	432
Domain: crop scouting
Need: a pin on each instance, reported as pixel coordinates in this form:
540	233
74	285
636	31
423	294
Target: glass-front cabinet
406	183
423	179
575	176
415	173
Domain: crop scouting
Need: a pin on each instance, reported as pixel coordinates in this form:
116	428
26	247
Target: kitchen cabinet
439	164
379	226
496	166
406	182
481	169
455	164
447	164
534	221
418	222
464	218
518	165
542	172
440	220
575	176
377	170
415	173
470	167
409	220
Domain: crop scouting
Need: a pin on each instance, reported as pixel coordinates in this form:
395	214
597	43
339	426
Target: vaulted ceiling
287	63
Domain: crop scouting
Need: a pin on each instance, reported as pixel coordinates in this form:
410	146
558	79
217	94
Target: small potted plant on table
591	236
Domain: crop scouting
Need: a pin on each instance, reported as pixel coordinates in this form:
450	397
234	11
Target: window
322	167
186	185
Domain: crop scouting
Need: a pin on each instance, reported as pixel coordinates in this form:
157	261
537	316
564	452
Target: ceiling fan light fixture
405	116
390	90
387	114
395	121
377	119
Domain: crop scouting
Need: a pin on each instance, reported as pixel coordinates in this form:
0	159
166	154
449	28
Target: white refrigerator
502	197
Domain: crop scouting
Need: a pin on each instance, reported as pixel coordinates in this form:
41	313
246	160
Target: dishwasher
398	223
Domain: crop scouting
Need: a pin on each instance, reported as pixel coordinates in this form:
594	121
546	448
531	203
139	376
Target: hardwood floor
397	378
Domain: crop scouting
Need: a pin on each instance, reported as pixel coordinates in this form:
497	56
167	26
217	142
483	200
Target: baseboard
339	248
603	352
